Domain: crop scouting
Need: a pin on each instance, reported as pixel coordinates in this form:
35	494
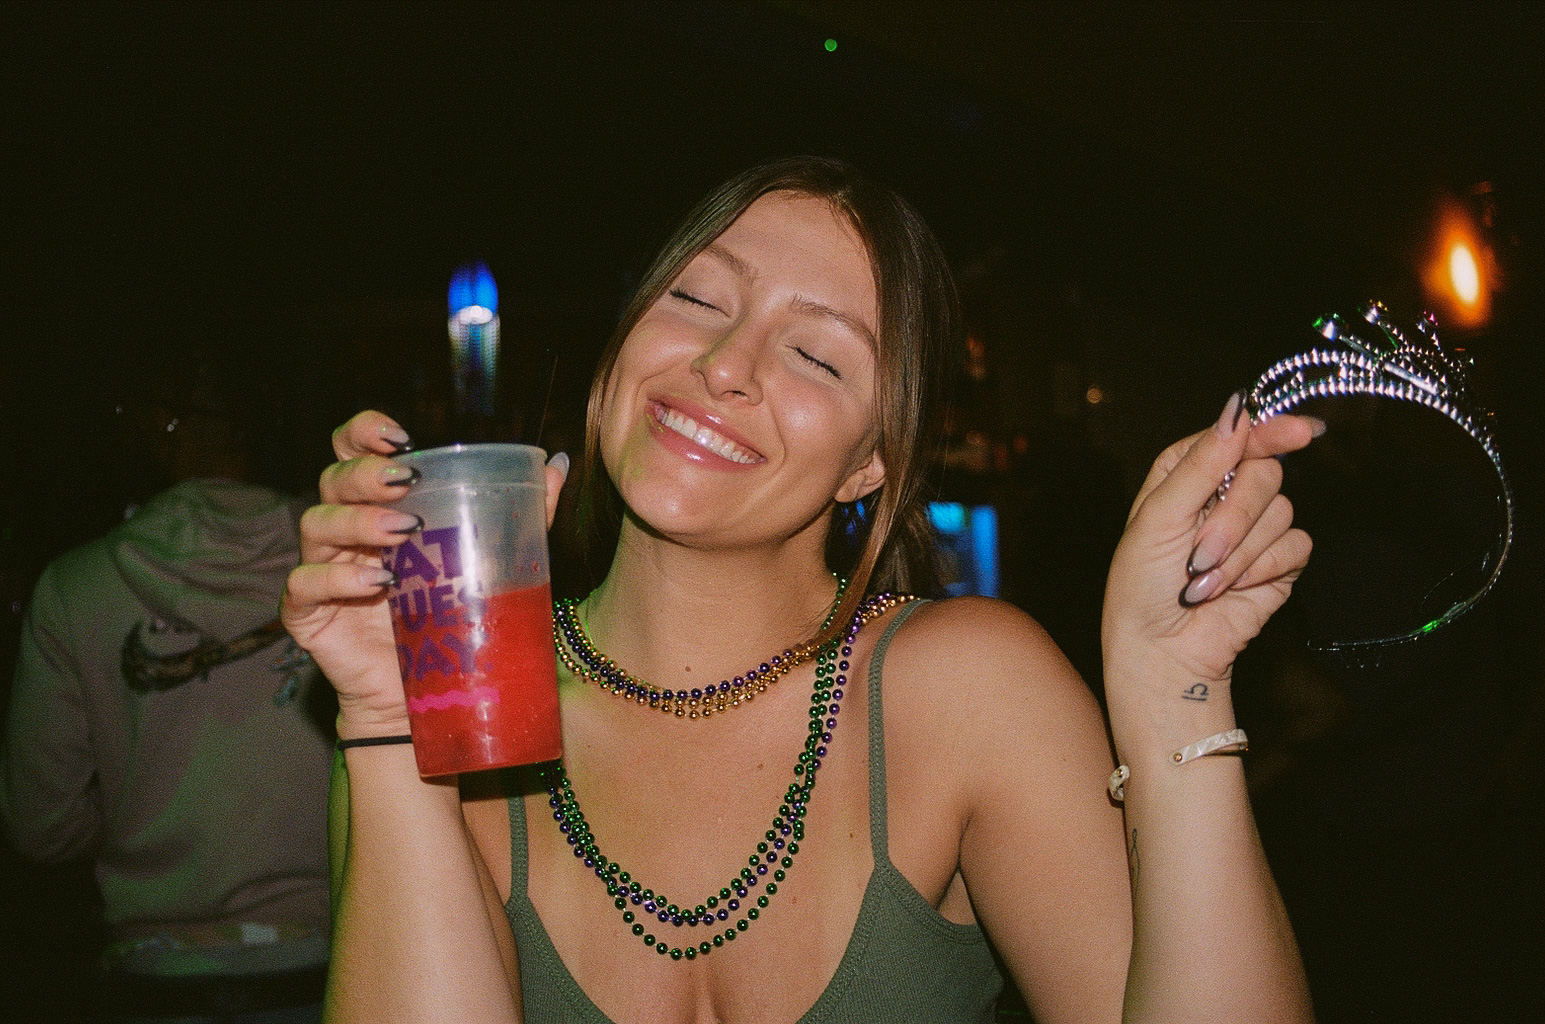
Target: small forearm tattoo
1197	692
1132	859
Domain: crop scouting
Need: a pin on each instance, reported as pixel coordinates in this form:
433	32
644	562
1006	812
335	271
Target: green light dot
831	46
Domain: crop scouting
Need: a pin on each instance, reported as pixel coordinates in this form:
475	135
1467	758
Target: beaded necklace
774	854
699	702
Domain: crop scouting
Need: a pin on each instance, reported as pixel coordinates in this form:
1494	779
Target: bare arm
1191	584
1192	926
1210	929
418	930
416	936
1041	849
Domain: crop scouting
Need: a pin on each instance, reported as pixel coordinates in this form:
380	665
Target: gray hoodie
203	805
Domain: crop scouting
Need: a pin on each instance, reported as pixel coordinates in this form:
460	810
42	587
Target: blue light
474	332
968	541
948	517
984	530
473	286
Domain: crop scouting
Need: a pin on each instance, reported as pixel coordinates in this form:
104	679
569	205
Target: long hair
884	541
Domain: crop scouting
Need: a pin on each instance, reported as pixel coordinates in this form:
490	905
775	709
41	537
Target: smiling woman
755	363
758	432
910	301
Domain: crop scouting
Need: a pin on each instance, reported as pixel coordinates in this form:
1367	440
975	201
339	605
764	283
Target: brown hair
883	542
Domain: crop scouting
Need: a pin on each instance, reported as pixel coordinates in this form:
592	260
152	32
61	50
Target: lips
702	435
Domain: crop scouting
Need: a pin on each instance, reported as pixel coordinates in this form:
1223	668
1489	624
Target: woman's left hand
1208	555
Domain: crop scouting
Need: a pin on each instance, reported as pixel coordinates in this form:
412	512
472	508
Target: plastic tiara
1419	371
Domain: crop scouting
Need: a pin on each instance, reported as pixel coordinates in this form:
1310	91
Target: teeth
716	443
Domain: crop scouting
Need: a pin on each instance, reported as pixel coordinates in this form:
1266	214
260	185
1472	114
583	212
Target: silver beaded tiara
1394	366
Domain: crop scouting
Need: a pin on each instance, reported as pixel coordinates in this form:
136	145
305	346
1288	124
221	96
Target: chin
662	502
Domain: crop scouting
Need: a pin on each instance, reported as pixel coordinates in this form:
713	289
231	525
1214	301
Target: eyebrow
740	267
808	307
826	312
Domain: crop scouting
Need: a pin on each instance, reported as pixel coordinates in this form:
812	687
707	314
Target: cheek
621	392
829	431
614	432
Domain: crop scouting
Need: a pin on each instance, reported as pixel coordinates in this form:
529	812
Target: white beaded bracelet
1233	741
1117	782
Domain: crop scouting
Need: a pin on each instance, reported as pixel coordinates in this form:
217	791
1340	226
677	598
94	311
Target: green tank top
904	961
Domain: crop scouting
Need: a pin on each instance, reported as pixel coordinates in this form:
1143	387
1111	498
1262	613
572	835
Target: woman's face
742	404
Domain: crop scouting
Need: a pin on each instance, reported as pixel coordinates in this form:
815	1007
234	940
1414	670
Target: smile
715	442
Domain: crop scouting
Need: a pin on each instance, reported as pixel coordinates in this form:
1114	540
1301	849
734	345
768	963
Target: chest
759	824
698	831
721	849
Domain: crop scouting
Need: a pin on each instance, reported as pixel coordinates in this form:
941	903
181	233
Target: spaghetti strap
903	961
517	802
878	836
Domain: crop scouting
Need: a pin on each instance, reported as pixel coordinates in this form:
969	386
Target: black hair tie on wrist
374	741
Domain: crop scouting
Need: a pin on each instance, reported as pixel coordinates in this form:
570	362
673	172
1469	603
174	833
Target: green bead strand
625	889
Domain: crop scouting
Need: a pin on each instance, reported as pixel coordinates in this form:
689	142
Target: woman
770	391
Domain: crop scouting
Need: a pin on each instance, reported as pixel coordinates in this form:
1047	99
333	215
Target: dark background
1153	200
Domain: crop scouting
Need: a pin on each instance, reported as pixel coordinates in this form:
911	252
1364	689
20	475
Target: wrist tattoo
1197	692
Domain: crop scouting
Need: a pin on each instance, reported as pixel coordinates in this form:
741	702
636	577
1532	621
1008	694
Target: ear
864	479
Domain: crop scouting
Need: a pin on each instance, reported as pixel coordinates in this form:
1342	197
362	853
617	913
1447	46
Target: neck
678	616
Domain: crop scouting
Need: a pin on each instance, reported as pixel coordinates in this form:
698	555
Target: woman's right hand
334	604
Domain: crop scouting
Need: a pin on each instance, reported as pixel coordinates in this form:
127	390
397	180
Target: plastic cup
472	610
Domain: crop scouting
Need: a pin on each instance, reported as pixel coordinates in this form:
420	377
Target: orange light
1464	275
1458	277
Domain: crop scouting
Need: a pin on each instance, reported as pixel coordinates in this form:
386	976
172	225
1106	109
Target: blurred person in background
163	727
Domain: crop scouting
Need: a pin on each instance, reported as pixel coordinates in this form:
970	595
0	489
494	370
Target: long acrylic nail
1229	421
403	523
1201	588
1209	552
377	576
397	438
399	476
560	462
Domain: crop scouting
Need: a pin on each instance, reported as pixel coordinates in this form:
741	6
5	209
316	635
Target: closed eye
677	293
828	367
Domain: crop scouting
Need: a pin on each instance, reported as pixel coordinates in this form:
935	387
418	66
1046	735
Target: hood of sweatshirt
210	555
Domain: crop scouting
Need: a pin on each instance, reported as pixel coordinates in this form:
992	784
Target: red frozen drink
481	683
472	610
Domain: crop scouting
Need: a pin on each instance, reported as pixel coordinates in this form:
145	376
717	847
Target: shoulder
989	639
986	676
73	580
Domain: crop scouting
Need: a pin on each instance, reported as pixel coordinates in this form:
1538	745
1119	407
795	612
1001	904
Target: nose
729	367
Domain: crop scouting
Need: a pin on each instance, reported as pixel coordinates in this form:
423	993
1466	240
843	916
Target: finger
326	531
370	432
1284	558
1178	487
311	586
1282	434
557	471
1254	484
1161	468
1273	522
1262	557
366	479
1196	465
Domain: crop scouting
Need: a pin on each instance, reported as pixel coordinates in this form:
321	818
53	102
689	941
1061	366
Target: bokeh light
1459	271
1463	273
